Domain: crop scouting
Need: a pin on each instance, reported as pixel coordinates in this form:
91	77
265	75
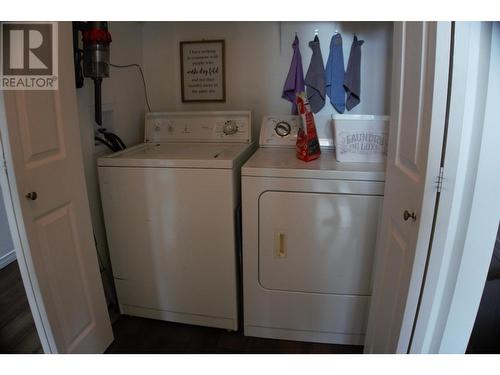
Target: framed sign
203	77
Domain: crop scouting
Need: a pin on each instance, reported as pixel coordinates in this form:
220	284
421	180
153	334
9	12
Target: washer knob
282	128
230	127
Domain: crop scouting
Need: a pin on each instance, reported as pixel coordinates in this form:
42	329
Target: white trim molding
7	259
469	206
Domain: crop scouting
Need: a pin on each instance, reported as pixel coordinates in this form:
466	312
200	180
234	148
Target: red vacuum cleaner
95	55
96	40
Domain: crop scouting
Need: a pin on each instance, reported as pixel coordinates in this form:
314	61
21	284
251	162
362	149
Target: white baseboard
7	259
303	335
186	318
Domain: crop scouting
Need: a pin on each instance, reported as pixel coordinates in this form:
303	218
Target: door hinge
439	180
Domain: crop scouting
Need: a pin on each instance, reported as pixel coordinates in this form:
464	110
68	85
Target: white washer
309	233
170	207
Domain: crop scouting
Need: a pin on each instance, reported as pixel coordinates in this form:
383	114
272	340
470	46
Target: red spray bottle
307	144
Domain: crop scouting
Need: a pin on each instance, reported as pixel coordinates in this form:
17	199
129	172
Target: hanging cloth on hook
335	74
295	79
315	78
352	80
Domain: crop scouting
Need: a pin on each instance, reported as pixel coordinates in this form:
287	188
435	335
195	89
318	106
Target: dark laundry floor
484	338
140	335
17	328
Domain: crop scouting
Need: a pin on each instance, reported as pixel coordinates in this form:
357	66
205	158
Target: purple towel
295	79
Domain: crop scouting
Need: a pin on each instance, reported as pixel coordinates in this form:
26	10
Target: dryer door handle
280	245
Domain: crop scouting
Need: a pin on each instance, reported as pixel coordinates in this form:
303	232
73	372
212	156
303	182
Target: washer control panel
220	126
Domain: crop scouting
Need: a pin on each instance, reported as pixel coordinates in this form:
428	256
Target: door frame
19	236
467	217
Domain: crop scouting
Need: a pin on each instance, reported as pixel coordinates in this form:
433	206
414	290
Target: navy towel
335	74
315	78
352	80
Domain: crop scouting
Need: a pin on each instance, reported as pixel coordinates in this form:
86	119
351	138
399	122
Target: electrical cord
119	141
112	140
142	76
104	142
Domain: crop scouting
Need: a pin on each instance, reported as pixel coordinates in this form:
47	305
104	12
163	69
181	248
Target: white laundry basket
360	138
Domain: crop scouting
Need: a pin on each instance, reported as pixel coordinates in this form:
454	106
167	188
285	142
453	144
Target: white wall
123	95
7	253
258	56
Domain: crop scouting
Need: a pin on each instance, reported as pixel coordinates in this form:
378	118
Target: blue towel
335	74
315	78
352	80
295	79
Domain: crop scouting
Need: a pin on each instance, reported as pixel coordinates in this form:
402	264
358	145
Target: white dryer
309	233
170	207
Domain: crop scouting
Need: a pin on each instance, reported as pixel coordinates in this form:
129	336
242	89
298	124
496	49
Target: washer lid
276	162
177	155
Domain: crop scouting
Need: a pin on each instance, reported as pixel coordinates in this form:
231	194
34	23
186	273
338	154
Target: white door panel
395	273
410	125
40	144
420	81
45	158
329	250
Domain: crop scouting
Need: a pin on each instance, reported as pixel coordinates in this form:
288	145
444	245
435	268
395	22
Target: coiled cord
111	140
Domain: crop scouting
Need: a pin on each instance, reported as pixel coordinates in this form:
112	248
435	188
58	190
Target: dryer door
317	242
